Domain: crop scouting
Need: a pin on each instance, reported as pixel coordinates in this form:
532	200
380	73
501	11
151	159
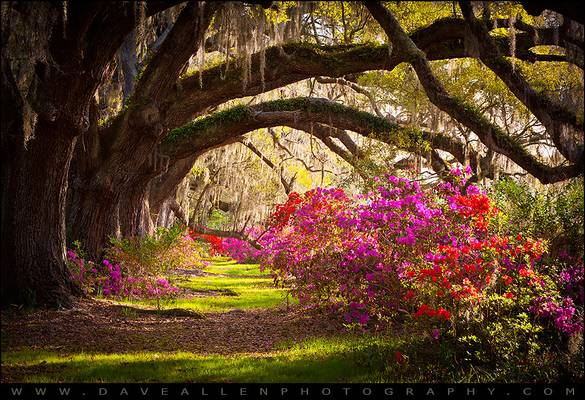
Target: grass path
230	325
225	286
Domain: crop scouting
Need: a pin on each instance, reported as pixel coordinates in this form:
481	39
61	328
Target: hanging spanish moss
25	39
512	39
64	20
244	30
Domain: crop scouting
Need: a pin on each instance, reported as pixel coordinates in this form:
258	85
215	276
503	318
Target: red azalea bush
216	243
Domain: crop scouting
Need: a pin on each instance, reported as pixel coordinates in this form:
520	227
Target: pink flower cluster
242	250
400	248
110	281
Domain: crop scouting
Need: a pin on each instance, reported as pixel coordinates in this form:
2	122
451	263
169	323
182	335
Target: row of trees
65	170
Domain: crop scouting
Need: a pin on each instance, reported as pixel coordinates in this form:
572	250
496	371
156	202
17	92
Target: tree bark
33	227
95	219
135	218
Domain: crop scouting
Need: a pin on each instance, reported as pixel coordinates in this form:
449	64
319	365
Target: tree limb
560	122
293	62
490	134
299	113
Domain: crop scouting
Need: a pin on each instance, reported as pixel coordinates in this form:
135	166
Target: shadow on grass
347	359
164	312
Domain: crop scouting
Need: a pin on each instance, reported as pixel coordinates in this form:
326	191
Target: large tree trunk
33	224
33	192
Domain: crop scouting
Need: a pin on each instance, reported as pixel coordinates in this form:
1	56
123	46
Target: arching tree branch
490	134
443	39
226	126
560	122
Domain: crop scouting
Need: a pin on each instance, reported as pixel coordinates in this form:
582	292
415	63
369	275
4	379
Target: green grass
347	358
317	360
244	286
231	268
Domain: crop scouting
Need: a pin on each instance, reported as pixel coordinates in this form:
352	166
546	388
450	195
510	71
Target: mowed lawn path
229	324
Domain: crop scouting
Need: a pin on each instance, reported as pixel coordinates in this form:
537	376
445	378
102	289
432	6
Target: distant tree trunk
135	219
95	219
164	217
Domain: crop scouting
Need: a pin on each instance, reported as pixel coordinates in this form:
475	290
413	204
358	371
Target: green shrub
168	248
554	214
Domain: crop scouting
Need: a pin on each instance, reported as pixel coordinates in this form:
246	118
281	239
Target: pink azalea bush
241	250
133	267
432	256
110	280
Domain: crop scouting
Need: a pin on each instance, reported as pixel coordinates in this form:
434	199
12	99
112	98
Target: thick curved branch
183	40
133	135
227	126
490	134
293	62
320	117
561	123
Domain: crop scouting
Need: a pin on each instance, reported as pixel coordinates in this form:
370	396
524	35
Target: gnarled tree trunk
33	225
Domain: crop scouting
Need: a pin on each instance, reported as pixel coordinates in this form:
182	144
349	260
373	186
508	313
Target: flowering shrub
312	248
110	280
133	266
432	255
242	250
216	243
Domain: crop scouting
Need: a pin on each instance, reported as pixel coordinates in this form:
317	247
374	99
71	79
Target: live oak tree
130	165
53	61
284	65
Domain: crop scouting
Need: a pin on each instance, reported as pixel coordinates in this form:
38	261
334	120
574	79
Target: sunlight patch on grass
319	360
240	288
233	269
349	358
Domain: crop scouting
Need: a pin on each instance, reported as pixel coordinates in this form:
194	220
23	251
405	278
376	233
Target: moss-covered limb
303	113
489	134
289	64
226	117
556	118
294	62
